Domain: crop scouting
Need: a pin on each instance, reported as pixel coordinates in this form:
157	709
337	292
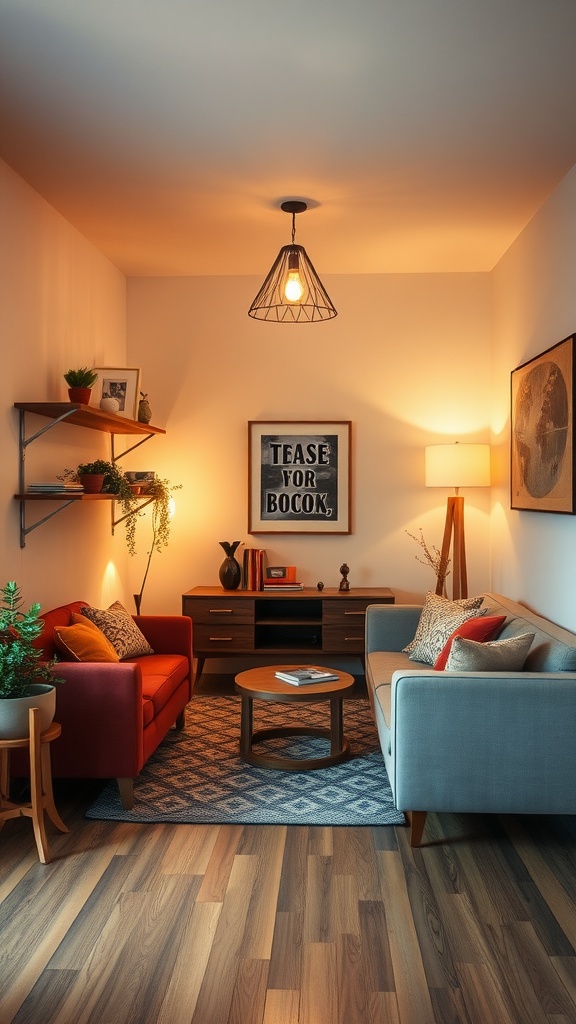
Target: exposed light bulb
293	289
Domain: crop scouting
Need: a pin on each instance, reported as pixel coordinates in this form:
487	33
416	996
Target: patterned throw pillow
118	625
481	629
439	618
495	656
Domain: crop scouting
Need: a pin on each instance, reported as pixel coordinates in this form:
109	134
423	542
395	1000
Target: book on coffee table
299	676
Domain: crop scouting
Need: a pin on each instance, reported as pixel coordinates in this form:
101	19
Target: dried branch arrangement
433	558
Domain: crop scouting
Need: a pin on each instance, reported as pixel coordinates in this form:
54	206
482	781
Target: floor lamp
456	465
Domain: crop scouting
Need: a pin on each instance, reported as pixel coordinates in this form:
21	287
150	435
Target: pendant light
292	293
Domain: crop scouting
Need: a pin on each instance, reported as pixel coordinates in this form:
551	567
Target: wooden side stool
42	798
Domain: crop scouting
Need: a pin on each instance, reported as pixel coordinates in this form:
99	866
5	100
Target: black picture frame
299	476
542	477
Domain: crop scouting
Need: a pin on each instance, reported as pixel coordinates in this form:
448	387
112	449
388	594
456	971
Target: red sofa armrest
167	634
99	706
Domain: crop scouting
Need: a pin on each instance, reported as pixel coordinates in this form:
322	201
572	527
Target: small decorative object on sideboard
344	584
230	572
80	383
144	410
25	680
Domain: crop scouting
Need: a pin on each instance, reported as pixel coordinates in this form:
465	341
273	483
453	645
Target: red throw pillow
481	629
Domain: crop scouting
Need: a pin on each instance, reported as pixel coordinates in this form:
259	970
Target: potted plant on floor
25	680
80	383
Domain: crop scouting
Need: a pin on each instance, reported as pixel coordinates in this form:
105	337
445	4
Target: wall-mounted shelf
79	416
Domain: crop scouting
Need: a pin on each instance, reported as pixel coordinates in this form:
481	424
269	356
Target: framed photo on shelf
299	476
121	383
542	477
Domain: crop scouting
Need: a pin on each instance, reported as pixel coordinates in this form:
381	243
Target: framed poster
299	476
121	383
542	432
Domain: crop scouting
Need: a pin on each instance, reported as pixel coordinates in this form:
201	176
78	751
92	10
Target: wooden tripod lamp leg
460	583
455	526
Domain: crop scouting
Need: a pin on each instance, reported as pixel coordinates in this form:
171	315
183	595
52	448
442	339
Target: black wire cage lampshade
292	292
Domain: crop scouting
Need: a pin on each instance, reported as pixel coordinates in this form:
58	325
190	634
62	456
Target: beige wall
406	361
409	360
63	305
534	307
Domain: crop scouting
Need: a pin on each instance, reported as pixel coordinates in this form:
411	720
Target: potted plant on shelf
158	494
80	383
102	476
25	680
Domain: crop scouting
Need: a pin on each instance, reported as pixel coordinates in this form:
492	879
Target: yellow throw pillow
84	642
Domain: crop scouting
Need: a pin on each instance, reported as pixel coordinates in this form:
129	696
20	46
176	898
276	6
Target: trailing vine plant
157	495
161	492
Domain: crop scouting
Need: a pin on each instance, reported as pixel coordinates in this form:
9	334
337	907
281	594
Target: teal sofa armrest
390	627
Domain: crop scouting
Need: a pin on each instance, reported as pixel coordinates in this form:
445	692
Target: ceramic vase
144	411
230	572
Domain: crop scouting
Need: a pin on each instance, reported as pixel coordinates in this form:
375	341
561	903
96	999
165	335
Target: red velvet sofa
114	715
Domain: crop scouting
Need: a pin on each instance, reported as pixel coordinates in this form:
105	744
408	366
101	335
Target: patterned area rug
197	776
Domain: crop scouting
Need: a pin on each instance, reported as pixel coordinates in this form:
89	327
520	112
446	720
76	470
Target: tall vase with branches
433	558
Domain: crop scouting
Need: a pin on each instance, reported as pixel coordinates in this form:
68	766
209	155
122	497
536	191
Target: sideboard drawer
208	610
337	640
346	613
223	637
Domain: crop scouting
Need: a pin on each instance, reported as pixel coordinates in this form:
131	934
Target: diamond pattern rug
197	776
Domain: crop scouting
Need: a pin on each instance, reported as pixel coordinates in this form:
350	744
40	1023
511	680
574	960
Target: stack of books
253	568
55	487
282	577
300	676
280	585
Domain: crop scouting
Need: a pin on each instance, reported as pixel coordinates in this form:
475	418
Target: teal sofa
488	742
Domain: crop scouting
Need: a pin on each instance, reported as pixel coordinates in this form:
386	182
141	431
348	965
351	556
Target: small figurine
144	410
344	584
320	586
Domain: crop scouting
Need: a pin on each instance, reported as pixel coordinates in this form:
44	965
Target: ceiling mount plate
293	206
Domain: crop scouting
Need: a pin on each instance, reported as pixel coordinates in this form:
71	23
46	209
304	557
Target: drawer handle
219	638
221	611
354	613
354	638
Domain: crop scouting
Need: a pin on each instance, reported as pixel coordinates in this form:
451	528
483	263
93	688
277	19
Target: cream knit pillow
494	656
439	618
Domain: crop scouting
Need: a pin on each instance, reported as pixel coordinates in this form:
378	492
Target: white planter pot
14	711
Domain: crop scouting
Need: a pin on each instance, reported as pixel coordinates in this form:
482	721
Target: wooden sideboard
268	623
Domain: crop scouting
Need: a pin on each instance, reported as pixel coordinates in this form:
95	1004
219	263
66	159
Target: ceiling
423	133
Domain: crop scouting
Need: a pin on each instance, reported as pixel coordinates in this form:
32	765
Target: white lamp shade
458	465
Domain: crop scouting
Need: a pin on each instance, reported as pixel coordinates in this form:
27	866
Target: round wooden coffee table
261	684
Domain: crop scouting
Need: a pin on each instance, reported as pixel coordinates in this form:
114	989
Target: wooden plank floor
182	924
